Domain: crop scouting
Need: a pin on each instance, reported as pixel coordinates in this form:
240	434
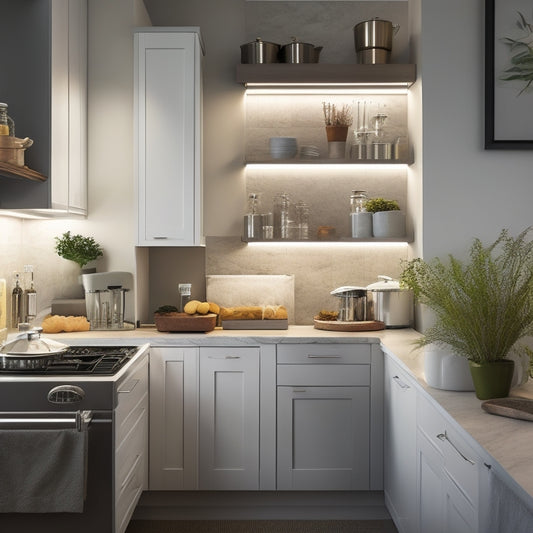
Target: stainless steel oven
77	394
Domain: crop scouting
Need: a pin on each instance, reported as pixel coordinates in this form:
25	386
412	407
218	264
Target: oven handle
29	420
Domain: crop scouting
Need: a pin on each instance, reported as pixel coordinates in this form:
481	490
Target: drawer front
130	393
325	375
430	421
130	493
305	354
462	464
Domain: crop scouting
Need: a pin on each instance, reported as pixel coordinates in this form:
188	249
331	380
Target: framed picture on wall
508	74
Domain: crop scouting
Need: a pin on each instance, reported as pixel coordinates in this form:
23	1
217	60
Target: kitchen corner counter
507	441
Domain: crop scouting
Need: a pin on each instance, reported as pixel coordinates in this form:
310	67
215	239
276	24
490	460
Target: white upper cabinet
168	94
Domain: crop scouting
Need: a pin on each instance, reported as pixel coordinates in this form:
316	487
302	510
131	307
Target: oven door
97	515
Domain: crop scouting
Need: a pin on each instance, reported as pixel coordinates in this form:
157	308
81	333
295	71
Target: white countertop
508	441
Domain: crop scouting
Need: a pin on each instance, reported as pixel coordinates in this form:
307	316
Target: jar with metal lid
7	126
357	201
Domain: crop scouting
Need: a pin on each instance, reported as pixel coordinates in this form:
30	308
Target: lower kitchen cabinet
400	446
448	473
229	418
131	443
325	416
173	418
212	418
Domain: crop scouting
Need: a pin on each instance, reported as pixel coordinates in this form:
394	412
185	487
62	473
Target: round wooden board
335	325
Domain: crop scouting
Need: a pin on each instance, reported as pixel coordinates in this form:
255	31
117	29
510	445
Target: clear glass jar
302	220
357	201
281	216
7	126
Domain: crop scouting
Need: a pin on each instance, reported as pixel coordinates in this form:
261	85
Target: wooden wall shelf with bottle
13	171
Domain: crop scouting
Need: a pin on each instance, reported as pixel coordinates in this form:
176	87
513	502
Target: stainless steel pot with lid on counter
390	303
352	304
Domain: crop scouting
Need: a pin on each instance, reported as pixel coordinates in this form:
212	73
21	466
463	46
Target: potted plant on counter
388	221
482	307
82	250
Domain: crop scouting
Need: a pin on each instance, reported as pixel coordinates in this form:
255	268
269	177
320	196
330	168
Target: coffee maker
109	300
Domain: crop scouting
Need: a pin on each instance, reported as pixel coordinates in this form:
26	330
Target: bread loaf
254	312
59	323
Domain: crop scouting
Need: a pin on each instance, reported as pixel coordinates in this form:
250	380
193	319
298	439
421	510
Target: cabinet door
430	470
323	438
400	447
167	113
229	418
173	418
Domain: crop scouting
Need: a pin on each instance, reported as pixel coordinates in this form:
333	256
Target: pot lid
348	290
31	343
258	40
385	284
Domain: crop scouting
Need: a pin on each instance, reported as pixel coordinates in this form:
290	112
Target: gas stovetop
83	360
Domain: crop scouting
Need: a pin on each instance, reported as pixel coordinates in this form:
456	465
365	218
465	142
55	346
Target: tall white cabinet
168	117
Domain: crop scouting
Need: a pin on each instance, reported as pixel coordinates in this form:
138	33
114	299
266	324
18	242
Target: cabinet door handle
400	383
160	238
444	437
309	356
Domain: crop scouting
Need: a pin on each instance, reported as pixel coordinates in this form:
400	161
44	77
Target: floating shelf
13	171
344	240
326	161
323	74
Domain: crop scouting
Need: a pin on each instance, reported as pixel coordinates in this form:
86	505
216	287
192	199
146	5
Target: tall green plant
482	307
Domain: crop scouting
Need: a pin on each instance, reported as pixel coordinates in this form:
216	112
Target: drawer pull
444	437
400	383
156	238
224	357
309	356
132	384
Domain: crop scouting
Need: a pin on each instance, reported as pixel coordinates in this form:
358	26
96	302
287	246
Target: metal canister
260	51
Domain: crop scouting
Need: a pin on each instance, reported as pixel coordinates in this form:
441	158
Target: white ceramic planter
387	224
445	370
362	225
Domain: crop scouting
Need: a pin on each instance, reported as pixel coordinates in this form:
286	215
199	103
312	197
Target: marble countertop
507	441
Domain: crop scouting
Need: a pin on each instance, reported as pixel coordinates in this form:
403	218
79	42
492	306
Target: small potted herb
82	250
388	221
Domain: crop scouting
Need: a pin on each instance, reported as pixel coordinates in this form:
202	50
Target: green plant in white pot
82	250
482	307
388	221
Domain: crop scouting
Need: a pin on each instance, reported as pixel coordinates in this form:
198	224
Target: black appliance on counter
77	390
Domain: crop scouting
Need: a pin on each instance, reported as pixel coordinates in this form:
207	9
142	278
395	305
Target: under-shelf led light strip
330	244
292	89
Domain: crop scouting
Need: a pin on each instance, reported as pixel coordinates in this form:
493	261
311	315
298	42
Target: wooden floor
261	526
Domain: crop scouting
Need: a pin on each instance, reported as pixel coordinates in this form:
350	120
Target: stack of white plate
309	152
283	147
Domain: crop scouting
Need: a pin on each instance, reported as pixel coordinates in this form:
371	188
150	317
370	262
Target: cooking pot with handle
390	303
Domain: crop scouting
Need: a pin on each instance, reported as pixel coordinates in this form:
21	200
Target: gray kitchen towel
42	471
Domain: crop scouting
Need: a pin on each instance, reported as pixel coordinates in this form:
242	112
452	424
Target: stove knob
66	394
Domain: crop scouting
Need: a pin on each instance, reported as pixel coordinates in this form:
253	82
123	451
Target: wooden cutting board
336	325
182	322
520	408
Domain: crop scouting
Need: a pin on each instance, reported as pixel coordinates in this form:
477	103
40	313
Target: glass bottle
302	220
17	303
281	216
7	126
357	201
30	298
252	220
184	290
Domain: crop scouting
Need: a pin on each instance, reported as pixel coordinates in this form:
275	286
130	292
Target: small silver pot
389	303
297	52
259	51
352	303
